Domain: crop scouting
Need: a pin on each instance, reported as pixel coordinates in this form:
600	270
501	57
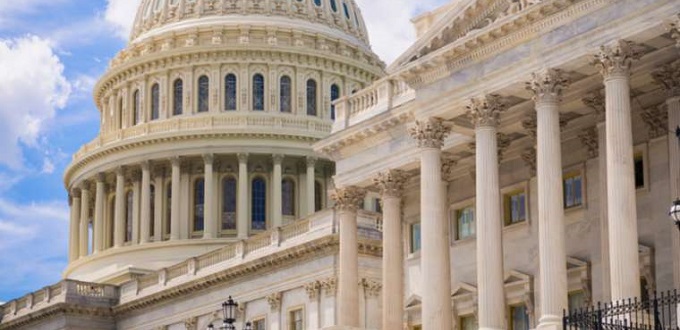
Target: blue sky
51	54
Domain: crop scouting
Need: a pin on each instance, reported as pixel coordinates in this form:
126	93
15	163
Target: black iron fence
658	312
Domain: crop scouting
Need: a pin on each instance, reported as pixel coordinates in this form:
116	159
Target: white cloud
32	88
121	14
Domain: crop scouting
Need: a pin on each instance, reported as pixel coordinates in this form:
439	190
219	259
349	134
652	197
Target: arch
288	197
177	97
199	205
286	94
229	202
259	204
312	98
152	209
136	113
155	101
335	94
230	92
258	92
318	196
129	213
203	94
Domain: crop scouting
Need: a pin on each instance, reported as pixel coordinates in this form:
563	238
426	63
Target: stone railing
318	225
383	95
66	291
234	123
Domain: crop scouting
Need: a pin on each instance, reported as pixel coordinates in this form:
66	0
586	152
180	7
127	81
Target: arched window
177	97
311	97
136	113
155	101
346	8
258	92
152	210
230	92
317	3
229	203
334	5
259	204
318	196
129	198
199	204
203	94
286	94
335	94
168	209
288	197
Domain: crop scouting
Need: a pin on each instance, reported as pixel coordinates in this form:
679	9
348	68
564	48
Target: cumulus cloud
121	15
32	89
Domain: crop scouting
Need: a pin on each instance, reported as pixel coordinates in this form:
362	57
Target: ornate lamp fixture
229	309
675	213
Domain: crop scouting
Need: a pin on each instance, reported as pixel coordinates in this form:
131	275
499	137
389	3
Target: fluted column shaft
277	215
242	210
159	198
673	105
547	87
74	229
119	224
311	175
435	255
391	185
98	227
490	272
136	211
175	199
145	216
615	63
347	202
210	229
604	212
84	222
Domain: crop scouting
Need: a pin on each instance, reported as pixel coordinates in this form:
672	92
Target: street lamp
675	213
229	309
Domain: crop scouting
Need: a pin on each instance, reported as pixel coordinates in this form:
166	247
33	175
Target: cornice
57	309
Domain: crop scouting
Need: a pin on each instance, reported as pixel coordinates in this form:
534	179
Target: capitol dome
207	120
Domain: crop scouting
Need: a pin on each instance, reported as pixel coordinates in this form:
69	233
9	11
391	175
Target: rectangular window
519	319
573	190
465	223
417	327
639	164
378	205
577	300
259	324
415	237
515	207
468	323
295	320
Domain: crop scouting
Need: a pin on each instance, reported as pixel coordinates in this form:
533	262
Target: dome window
203	94
346	9
229	190
311	97
288	195
258	92
335	94
155	101
317	3
178	97
334	5
136	113
285	89
230	92
259	205
199	205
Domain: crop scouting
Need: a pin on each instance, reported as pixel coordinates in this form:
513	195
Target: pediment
413	301
514	276
462	289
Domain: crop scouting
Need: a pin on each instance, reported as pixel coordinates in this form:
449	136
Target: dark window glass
168	208
346	9
415	237
203	94
259	204
311	97
317	3
639	171
230	92
519	318
128	216
288	195
335	94
178	97
334	6
573	191
152	209
318	196
229	204
199	204
286	94
155	101
258	92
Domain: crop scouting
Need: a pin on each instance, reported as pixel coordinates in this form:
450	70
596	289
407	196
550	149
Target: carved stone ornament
372	288
529	157
596	101
449	164
329	286
589	139
313	289
486	111
656	119
617	59
430	133
504	142
274	301
391	183
668	77
530	124
348	199
548	85
191	323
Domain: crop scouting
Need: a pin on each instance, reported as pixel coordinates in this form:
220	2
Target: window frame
642	151
295	204
411	238
225	96
290	311
199	90
510	315
453	219
252	91
267	205
193	217
513	190
573	171
260	318
220	204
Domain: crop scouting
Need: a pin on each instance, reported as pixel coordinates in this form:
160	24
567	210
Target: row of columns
80	205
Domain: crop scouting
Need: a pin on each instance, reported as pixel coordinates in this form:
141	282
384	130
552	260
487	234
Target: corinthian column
84	220
119	224
209	211
276	186
435	261
391	185
242	209
311	173
347	201
145	229
547	87
668	77
485	113
74	228
175	198
615	62
98	227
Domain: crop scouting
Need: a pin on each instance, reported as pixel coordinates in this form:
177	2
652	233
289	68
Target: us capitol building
515	162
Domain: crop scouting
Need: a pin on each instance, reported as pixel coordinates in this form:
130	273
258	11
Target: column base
550	322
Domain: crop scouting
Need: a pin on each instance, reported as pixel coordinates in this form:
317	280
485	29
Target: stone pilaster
314	310
547	87
347	202
435	262
485	114
145	198
277	202
391	185
136	209
160	194
175	198
274	301
311	174
210	226
615	62
84	219
98	221
119	222
242	208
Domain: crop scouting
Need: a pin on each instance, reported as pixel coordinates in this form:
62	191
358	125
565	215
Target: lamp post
675	213
229	308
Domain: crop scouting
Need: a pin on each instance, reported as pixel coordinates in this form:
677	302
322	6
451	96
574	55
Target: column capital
208	158
486	111
430	132
242	157
101	177
75	192
616	59
596	101
274	301
668	77
278	158
145	165
348	199
313	289
547	85
311	161
175	161
391	183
